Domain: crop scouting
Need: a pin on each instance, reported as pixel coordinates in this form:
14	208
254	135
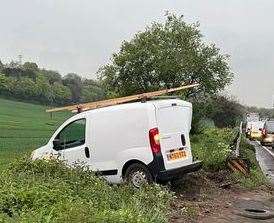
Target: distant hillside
28	82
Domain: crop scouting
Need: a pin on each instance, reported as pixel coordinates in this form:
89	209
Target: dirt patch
210	197
259	199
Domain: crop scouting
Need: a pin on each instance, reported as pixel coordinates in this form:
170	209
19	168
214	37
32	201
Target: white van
139	142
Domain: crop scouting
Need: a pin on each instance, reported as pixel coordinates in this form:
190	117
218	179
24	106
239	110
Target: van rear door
174	123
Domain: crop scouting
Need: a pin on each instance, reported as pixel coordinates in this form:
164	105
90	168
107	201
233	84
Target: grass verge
213	147
43	191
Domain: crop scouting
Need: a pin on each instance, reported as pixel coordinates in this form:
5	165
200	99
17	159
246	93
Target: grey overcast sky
80	35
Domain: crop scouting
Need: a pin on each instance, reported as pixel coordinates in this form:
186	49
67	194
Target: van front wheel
138	175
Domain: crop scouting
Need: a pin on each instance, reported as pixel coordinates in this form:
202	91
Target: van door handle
87	152
183	139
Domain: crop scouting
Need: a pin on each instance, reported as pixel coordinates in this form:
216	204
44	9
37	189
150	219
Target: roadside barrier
234	162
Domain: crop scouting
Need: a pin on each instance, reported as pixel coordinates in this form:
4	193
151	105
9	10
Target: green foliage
61	93
202	108
38	90
74	83
165	56
92	91
227	112
30	83
43	191
247	152
4	84
255	179
213	147
30	66
51	76
1	66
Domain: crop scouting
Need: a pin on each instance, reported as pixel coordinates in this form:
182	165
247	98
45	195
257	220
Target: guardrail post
237	151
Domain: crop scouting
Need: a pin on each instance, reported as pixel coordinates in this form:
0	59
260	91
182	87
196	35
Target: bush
213	147
43	191
228	113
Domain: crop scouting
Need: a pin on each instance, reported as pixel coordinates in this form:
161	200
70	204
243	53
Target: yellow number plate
176	155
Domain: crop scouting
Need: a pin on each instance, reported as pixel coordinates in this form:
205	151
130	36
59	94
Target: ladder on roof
115	101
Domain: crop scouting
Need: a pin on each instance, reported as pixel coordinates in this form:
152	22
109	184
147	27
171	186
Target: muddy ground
213	197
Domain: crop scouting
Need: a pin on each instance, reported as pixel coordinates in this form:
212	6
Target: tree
92	91
74	82
13	69
30	70
25	88
4	84
165	56
1	66
29	82
52	76
227	111
31	66
45	93
61	93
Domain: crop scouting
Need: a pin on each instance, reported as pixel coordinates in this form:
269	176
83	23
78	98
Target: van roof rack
143	100
115	101
165	97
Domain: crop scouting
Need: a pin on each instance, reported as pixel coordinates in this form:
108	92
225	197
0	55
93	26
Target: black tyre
138	174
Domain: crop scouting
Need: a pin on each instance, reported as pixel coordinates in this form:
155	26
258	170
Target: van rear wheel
138	175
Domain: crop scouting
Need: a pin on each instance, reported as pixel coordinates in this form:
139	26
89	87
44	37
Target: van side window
72	135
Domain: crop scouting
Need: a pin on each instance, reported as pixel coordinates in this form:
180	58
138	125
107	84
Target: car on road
254	130
137	142
268	134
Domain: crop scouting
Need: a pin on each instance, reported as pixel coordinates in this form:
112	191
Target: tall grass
213	147
43	191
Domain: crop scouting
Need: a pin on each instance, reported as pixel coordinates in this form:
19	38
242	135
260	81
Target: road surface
265	157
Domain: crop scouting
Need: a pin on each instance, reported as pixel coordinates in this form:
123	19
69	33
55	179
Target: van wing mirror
56	144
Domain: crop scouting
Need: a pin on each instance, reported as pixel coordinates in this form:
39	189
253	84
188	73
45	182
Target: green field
24	127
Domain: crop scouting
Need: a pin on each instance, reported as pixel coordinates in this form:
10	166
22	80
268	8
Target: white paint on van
117	134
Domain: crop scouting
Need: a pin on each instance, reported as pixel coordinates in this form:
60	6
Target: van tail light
154	139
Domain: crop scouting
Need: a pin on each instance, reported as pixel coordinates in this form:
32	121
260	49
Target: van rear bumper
175	173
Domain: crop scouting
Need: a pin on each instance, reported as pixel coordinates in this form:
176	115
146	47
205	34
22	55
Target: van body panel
117	134
140	154
124	132
174	122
